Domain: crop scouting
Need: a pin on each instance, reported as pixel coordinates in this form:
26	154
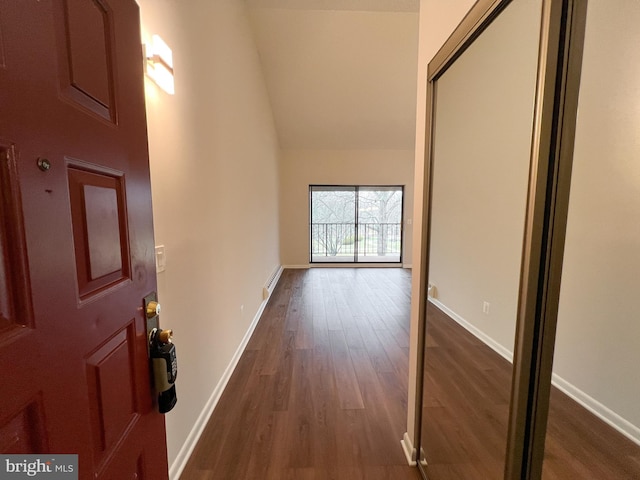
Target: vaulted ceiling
341	74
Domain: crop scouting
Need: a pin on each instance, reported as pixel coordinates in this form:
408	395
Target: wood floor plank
293	408
268	358
398	356
465	415
223	417
377	406
284	372
346	380
281	452
331	310
304	333
400	331
374	347
294	313
301	415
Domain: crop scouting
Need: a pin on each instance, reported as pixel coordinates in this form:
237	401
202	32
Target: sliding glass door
333	224
355	224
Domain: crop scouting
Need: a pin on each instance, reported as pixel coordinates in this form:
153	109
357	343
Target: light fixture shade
159	65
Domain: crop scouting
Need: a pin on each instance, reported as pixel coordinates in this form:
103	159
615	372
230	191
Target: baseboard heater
271	283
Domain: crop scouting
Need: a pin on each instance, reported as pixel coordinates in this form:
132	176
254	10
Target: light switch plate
161	259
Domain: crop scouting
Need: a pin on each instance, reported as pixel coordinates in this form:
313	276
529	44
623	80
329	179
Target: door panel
85	51
76	239
109	369
23	432
1	45
15	304
87	28
100	230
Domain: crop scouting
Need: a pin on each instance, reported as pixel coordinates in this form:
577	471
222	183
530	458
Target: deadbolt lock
153	309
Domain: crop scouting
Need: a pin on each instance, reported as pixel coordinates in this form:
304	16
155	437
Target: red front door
76	238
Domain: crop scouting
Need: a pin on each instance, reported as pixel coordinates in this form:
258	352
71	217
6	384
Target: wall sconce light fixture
159	65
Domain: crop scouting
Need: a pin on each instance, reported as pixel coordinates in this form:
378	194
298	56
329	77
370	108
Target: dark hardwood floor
321	390
320	393
465	415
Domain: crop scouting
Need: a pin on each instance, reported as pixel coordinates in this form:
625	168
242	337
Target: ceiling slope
339	78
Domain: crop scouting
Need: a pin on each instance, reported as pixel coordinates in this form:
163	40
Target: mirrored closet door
484	106
530	332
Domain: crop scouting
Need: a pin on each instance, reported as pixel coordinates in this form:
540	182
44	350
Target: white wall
214	168
301	168
482	146
598	338
338	78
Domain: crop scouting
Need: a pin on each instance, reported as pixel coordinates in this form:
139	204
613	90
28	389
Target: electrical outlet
485	307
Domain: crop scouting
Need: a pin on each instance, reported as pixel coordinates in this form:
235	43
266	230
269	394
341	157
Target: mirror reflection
482	142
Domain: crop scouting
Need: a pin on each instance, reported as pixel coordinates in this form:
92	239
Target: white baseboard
607	415
296	266
611	418
408	449
407	266
475	331
192	439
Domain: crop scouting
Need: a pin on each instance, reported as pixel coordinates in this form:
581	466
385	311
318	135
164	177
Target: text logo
49	467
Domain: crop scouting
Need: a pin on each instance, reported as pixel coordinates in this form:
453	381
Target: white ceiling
341	74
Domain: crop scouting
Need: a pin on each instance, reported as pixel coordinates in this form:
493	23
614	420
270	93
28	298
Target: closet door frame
560	52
